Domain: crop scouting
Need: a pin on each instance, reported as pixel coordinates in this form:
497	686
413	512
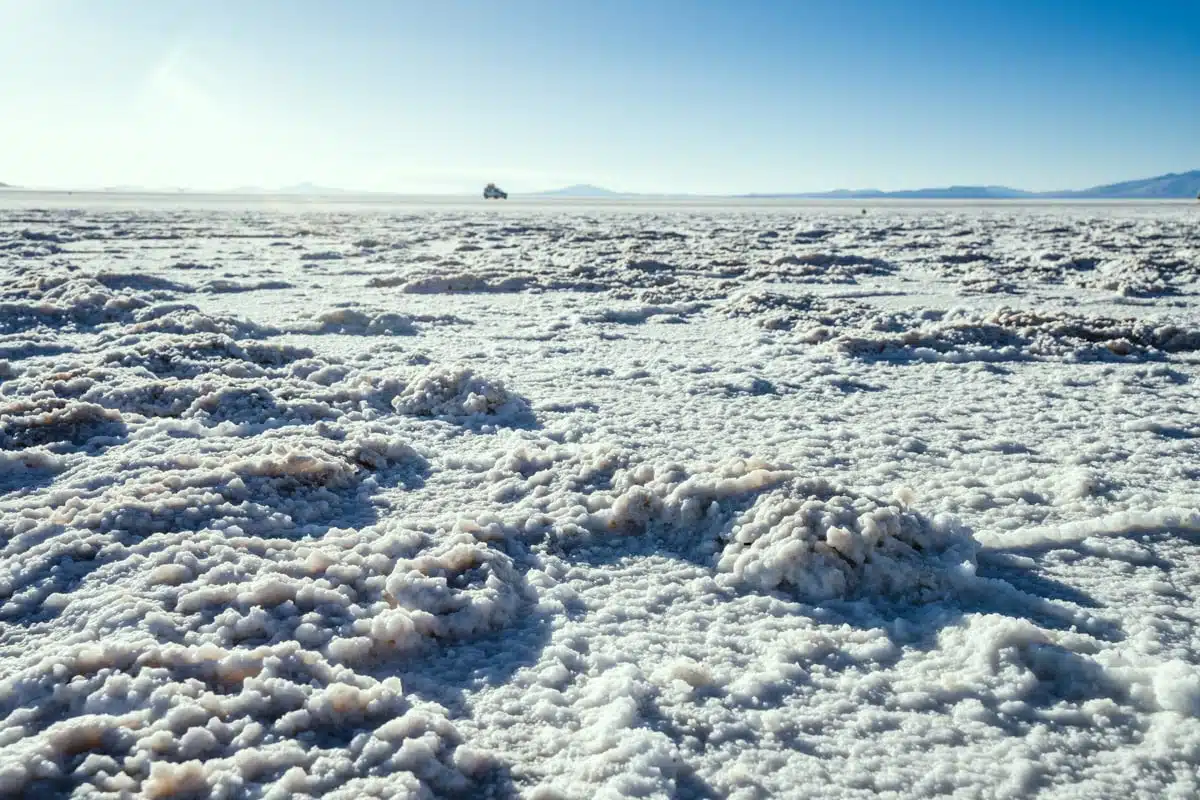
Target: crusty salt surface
646	502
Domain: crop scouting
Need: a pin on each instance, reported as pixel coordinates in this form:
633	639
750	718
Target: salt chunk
170	780
170	574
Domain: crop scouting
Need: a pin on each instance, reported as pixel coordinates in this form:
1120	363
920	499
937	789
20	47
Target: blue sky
637	95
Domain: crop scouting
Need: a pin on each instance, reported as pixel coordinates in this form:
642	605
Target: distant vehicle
494	192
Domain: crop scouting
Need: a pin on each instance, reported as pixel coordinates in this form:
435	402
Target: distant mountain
310	188
305	188
963	192
581	190
4	185
946	193
1172	186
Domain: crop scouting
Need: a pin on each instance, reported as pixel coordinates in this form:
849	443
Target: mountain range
299	188
1172	186
581	190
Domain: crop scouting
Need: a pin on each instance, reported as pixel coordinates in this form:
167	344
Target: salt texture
571	502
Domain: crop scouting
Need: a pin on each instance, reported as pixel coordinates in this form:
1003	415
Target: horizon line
592	191
351	196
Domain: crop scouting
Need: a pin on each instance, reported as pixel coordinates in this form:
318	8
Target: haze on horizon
677	96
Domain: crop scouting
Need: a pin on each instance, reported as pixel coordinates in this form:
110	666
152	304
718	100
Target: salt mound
188	356
820	543
640	314
241	672
1058	333
457	589
358	323
1014	334
57	301
761	525
824	260
460	282
18	465
140	282
814	317
180	319
46	419
974	340
221	286
135	304
1139	277
823	267
651	265
253	404
458	393
805	536
312	460
283	483
172	720
168	397
322	255
194	378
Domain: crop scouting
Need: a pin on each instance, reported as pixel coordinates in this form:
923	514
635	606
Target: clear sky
636	95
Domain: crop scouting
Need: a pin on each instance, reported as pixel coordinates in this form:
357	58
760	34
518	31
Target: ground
598	500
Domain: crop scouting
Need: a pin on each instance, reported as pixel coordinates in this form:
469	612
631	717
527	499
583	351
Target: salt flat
597	500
